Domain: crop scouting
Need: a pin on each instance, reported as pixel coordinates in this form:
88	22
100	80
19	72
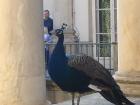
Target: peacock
81	73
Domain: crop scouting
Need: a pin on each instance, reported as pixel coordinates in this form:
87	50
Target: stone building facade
22	80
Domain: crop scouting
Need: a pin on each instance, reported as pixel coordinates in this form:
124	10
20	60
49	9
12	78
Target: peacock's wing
92	68
100	78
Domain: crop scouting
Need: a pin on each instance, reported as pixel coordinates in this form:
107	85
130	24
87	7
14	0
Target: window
106	30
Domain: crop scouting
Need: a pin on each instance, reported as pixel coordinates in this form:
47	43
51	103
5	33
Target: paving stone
96	99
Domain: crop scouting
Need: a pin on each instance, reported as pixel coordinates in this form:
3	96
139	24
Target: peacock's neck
59	50
60	41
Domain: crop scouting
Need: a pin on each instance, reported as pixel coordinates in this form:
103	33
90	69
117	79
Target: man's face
46	14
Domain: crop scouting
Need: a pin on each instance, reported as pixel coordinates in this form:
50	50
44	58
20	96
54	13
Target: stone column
21	53
128	74
62	13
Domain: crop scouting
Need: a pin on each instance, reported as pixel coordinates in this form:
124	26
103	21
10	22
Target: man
48	22
48	27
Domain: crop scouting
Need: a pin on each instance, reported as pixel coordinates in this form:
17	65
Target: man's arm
51	28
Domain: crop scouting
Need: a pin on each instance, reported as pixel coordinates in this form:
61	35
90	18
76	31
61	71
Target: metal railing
105	53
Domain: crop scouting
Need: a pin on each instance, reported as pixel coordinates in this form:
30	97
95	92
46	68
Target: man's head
46	14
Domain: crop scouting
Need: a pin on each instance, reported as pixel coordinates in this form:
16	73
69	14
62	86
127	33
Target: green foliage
104	24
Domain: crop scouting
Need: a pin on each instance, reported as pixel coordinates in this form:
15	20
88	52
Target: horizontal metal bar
74	43
103	9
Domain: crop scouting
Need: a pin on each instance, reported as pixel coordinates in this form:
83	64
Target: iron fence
105	53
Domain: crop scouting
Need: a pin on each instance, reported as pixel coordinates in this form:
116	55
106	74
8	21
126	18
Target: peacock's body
65	76
81	73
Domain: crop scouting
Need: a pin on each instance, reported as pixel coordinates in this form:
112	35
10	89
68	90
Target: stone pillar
128	74
21	53
62	13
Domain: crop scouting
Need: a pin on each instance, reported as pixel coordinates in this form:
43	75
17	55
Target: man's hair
47	11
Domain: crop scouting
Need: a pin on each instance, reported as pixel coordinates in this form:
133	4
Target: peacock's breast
68	79
71	81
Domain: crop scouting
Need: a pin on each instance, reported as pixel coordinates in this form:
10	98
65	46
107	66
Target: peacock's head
60	32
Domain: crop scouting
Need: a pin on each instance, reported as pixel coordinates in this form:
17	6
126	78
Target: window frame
113	24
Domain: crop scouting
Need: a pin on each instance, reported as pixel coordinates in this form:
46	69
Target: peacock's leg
78	99
73	96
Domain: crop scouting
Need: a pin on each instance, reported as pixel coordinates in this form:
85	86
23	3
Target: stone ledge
129	83
55	94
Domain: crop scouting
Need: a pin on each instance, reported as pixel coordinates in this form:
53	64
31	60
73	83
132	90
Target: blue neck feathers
59	49
58	61
58	56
